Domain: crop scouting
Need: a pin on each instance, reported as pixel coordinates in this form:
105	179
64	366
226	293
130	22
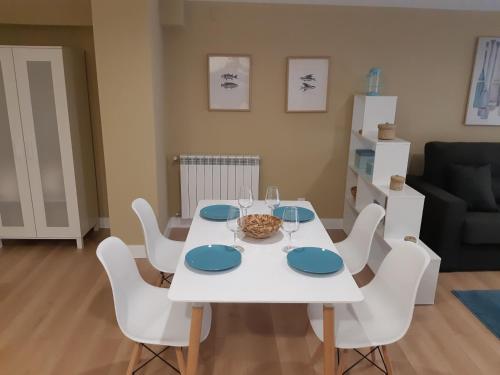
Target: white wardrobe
47	176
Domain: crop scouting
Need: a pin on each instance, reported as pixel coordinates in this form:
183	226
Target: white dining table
262	277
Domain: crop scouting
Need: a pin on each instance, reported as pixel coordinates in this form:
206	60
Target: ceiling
482	5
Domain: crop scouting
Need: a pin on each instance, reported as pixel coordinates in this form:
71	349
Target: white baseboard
104	222
138	251
176	222
331	223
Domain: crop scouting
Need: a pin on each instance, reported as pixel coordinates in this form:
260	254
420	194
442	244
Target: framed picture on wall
229	80
484	97
307	84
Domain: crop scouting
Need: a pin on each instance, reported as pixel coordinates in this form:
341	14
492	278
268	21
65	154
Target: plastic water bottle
374	82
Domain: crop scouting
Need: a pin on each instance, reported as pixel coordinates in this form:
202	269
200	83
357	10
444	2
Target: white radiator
216	177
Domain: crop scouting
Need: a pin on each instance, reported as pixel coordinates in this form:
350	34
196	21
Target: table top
264	275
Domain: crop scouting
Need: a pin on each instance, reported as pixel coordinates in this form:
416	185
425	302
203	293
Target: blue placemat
304	214
218	212
213	258
314	260
485	305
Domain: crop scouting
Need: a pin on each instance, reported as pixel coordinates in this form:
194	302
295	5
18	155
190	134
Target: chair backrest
397	281
149	223
123	275
362	233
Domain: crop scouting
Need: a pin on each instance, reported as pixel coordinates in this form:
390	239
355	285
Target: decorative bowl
260	226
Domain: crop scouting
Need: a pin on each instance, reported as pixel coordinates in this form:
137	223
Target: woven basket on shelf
411	239
386	131
354	191
397	183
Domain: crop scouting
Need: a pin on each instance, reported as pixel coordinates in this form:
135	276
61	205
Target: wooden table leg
329	340
194	339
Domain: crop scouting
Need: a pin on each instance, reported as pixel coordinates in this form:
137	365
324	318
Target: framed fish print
229	80
484	96
307	84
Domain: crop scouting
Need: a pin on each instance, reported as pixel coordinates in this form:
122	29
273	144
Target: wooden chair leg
372	355
387	360
342	361
134	358
163	276
180	360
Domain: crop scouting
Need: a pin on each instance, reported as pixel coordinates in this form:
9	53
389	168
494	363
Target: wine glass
234	223
245	199
290	224
272	198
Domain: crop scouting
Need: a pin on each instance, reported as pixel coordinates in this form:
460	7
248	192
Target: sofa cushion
473	185
482	228
496	188
439	155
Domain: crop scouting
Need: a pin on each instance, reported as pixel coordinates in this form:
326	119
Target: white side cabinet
47	176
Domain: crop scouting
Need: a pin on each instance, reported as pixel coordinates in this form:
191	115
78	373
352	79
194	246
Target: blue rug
485	305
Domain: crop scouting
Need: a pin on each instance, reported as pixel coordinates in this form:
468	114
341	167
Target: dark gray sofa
464	240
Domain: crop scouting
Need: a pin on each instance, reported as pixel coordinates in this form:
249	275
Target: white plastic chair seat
355	249
385	314
153	319
166	254
163	253
145	314
350	256
371	322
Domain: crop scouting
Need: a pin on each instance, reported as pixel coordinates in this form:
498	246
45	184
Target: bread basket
260	226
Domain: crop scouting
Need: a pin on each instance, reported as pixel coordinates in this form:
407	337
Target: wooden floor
57	317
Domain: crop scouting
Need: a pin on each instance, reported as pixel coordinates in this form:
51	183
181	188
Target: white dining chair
355	249
144	312
163	253
385	314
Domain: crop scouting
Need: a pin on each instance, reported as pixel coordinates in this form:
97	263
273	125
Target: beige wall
23	22
80	37
73	12
46	12
68	23
426	57
128	46
172	12
157	70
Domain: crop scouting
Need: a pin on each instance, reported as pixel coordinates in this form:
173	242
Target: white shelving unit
403	208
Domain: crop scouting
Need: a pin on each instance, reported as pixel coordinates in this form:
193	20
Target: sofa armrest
442	221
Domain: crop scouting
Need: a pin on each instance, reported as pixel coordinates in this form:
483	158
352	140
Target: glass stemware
234	223
245	199
290	224
272	198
